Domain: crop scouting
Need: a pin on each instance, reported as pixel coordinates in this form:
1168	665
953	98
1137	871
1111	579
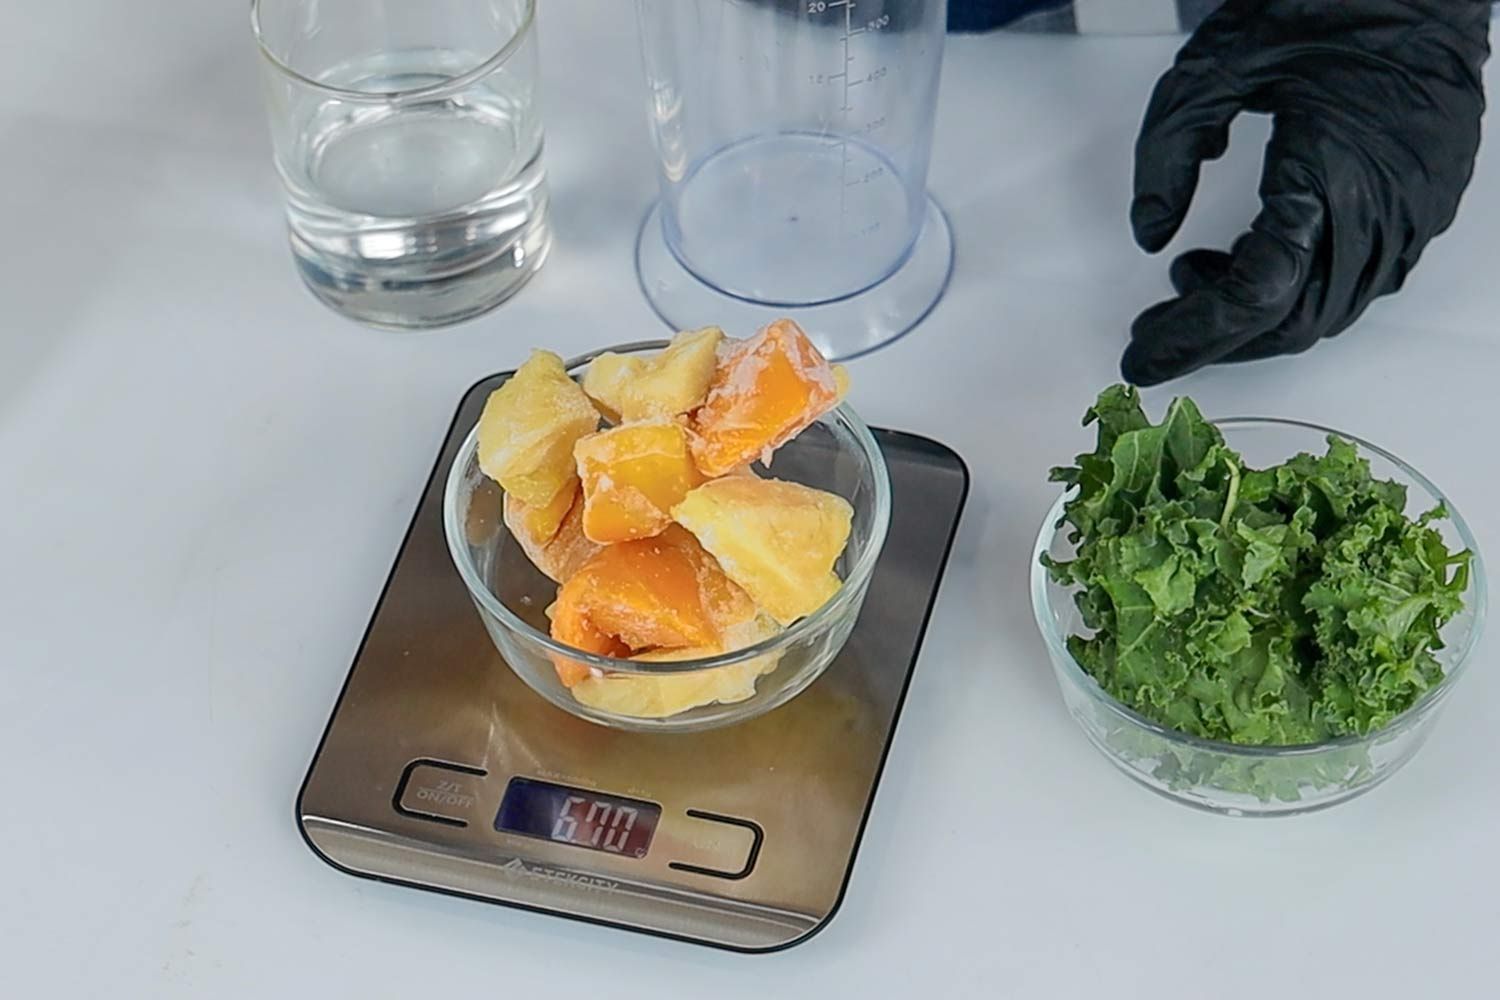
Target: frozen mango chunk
632	476
655	592
764	392
570	625
734	614
528	429
658	696
746	632
559	552
777	540
736	621
669	384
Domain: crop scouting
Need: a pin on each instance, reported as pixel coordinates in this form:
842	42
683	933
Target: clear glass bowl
1245	780
837	454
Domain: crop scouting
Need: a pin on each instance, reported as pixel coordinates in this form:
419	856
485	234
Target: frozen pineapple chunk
632	477
670	384
841	380
764	392
606	379
539	523
658	696
777	540
676	381
529	427
557	552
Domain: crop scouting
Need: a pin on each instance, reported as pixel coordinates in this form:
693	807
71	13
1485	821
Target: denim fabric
1051	15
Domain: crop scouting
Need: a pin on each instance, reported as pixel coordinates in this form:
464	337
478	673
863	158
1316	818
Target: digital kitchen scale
441	770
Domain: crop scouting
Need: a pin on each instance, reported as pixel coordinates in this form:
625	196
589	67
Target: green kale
1277	607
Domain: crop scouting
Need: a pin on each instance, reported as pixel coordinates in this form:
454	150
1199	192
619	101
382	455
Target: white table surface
206	475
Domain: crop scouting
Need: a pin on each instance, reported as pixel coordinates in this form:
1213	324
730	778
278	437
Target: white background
205	476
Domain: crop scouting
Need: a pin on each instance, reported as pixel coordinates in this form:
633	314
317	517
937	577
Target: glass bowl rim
821	619
432	91
1057	643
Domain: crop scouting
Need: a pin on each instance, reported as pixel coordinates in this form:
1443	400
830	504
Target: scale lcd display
600	822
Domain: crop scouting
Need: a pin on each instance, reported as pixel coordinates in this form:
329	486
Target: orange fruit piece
570	625
632	476
778	541
654	593
764	392
557	550
646	593
528	428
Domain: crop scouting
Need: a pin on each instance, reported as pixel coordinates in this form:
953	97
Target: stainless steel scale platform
755	826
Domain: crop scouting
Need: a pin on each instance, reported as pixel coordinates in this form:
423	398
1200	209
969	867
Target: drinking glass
409	142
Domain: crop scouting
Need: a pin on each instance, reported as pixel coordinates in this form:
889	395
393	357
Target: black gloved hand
1376	105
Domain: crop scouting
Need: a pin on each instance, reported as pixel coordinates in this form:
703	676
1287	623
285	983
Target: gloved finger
1297	333
1199	269
1258	290
1186	123
1303	203
1181	335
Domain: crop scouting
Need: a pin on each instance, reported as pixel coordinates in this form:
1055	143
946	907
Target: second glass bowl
837	454
1257	780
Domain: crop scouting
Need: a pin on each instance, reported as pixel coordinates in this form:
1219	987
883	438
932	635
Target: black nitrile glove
1376	107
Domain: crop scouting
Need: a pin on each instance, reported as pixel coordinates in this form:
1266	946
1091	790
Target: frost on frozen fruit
777	540
765	391
671	384
528	429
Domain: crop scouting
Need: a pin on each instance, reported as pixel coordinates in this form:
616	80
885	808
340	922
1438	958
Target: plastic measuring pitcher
793	138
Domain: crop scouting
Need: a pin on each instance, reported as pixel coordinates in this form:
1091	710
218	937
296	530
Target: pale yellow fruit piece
777	540
559	552
528	429
658	696
676	380
669	384
539	523
606	379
